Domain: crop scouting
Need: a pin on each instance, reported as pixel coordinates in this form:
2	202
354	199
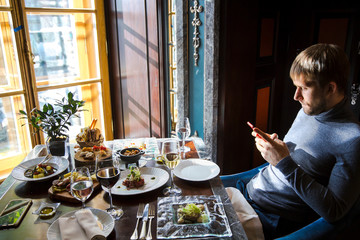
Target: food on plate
192	213
87	149
89	136
131	152
89	153
40	171
98	148
134	179
102	153
63	183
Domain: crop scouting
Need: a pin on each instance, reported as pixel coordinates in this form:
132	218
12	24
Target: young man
315	171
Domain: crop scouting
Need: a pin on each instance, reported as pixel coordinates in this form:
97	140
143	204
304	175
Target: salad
192	213
134	179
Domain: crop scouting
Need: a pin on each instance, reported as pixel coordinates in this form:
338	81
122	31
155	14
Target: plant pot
58	147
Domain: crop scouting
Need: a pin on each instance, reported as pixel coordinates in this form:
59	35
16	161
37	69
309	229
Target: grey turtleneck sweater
322	173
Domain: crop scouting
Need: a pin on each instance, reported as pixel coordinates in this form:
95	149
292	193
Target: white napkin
246	214
82	226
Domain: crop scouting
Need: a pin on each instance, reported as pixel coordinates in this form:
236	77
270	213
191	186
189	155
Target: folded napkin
82	226
246	214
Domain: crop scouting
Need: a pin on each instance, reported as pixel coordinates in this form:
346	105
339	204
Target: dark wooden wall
247	67
238	40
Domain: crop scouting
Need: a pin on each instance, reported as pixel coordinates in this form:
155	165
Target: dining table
34	227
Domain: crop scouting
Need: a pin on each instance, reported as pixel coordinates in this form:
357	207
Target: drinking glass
107	174
81	185
170	151
183	131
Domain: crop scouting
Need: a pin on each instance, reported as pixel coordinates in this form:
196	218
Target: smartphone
14	212
257	135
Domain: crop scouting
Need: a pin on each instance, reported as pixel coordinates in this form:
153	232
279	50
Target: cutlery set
147	212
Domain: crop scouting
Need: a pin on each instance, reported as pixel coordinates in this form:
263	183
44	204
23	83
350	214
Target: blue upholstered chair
346	228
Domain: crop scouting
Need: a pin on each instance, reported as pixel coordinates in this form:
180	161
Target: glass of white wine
183	132
81	184
170	151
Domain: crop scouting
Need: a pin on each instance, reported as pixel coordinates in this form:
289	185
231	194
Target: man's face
312	98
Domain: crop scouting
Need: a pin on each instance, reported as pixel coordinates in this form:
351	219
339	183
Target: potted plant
54	121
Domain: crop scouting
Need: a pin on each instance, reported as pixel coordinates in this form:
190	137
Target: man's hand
271	148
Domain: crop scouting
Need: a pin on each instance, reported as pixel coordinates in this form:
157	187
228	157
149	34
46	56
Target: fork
151	216
138	216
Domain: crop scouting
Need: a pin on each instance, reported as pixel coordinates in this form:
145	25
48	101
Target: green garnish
192	213
134	174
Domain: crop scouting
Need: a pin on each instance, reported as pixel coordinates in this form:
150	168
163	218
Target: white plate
196	170
101	216
60	163
153	177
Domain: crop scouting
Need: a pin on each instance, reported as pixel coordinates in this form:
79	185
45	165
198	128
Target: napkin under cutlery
80	226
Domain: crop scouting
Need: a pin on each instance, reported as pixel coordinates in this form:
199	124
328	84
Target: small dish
46	210
218	225
130	158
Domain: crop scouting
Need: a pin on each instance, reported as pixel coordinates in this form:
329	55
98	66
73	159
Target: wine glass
183	131
81	185
107	174
171	154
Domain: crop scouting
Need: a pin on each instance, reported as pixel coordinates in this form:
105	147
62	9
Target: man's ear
332	88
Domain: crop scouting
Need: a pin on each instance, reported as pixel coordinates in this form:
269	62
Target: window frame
30	91
29	81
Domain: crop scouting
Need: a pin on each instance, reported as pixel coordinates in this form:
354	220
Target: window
172	63
48	48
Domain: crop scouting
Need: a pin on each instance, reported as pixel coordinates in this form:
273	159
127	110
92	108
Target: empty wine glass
183	131
108	173
170	151
81	184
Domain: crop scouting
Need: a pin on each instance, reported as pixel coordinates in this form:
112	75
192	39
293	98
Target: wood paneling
238	42
256	52
134	60
153	62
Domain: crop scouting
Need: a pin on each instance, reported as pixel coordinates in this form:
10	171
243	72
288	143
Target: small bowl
47	212
132	158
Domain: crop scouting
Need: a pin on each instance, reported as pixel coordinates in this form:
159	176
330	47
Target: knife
144	221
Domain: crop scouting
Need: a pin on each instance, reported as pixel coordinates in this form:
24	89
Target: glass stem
111	204
172	179
83	204
183	144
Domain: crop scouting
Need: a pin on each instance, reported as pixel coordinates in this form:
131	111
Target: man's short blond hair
323	63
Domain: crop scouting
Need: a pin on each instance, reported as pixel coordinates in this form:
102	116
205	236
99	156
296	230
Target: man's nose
297	95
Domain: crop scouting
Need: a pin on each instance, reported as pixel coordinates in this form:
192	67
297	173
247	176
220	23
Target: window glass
59	3
4	3
64	47
10	78
11	130
90	93
15	140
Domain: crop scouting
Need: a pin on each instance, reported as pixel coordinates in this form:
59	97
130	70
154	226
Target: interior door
136	72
